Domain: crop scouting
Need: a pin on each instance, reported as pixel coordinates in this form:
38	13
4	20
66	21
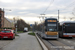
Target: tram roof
61	23
50	18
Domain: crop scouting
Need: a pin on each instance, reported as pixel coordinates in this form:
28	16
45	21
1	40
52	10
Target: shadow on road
5	39
67	38
1	49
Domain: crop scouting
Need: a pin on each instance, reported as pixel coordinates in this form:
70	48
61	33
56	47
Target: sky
30	10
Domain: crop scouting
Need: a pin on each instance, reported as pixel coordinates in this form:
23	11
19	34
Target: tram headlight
45	32
57	33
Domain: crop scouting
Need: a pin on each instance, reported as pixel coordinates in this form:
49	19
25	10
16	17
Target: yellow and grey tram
49	29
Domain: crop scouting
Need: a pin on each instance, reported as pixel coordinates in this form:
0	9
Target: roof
8	20
51	18
66	22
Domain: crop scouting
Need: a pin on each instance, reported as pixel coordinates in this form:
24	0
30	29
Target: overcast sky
30	10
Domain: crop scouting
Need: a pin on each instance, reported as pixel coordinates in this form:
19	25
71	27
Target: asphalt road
5	42
28	42
24	42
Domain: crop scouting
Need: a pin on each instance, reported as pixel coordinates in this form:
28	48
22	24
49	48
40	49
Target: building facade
8	23
1	18
5	22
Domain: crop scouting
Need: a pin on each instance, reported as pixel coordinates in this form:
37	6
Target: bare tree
21	24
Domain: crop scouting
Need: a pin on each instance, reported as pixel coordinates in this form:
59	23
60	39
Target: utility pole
42	16
58	15
43	19
5	15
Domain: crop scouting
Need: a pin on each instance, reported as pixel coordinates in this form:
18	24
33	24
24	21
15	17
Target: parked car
7	33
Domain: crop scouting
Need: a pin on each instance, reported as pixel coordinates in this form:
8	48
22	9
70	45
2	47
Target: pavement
24	42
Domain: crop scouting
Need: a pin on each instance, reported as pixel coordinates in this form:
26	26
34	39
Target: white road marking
63	39
69	41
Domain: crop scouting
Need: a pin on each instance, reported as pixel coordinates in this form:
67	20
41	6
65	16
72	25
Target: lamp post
6	9
4	12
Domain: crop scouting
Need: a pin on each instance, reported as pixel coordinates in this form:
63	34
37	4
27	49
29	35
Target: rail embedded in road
58	44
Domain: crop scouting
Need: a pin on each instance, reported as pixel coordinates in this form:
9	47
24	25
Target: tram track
73	39
56	44
60	45
64	41
49	44
68	42
53	45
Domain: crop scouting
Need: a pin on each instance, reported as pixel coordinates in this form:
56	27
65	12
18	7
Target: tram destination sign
51	20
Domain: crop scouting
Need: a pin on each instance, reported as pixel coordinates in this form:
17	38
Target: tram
49	29
67	29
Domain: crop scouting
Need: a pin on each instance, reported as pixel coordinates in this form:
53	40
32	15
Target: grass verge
16	35
19	31
32	34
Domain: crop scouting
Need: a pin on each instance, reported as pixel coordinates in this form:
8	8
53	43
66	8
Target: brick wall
8	23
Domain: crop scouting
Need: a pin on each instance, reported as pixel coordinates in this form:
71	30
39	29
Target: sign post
32	26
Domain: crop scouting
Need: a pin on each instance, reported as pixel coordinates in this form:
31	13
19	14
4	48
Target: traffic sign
30	24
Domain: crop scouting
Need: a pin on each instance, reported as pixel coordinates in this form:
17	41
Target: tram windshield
51	27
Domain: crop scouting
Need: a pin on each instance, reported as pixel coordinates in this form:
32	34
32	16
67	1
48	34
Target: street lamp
6	9
4	13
